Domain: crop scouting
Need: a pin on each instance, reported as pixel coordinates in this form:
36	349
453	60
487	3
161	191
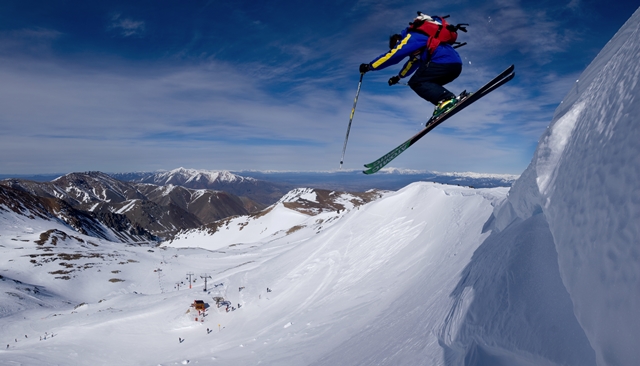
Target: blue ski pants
429	79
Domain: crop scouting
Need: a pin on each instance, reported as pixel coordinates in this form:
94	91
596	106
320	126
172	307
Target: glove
394	80
364	68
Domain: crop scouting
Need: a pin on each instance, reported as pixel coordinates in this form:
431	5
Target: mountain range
147	211
144	207
104	225
154	206
250	190
268	186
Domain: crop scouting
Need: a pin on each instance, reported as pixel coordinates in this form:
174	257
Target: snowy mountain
192	178
544	273
79	188
299	208
575	211
253	189
267	187
108	226
157	210
334	264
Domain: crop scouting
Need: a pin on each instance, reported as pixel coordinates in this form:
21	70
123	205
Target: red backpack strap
432	44
434	41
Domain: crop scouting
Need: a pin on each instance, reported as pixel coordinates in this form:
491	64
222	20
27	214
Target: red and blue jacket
414	46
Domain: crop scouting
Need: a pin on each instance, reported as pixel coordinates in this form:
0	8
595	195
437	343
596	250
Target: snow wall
558	279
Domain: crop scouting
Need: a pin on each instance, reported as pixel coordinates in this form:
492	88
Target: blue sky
121	86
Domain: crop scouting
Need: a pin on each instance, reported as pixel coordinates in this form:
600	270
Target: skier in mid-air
432	62
429	43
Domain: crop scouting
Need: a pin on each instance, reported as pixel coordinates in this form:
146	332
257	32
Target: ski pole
353	111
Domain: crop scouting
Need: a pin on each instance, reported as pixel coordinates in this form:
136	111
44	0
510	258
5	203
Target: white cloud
500	27
212	116
126	27
37	41
288	112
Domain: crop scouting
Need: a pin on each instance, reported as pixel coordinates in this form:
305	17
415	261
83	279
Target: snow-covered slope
389	264
299	208
564	284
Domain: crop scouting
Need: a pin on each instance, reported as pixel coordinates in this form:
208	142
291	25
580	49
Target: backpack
438	31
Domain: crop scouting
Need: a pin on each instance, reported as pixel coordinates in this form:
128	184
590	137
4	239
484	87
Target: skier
431	69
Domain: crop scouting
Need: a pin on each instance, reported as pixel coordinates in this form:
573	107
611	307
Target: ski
492	85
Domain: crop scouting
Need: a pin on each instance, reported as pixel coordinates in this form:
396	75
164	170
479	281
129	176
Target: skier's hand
364	68
394	80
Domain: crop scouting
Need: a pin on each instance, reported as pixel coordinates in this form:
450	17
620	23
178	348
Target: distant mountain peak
185	176
255	190
307	194
312	201
92	174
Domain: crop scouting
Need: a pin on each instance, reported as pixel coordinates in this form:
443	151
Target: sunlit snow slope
385	267
558	281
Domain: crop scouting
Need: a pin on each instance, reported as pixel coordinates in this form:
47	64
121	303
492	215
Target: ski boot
444	106
447	104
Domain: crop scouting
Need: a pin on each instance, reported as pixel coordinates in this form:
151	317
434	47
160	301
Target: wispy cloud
34	41
241	87
126	27
179	113
500	27
574	5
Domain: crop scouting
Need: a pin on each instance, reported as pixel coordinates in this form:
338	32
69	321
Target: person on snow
431	69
